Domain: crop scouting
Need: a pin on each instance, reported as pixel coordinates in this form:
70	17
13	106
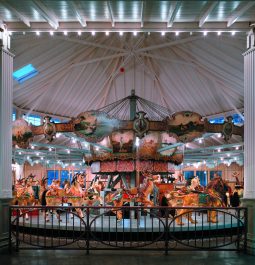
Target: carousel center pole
135	178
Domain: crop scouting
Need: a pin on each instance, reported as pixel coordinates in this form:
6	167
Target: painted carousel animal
23	193
214	195
140	195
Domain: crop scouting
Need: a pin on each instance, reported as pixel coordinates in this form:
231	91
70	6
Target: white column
6	91
249	112
249	139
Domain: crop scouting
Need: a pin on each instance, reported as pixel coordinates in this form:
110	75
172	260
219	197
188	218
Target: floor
42	257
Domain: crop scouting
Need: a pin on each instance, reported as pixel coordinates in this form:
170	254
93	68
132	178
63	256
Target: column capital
250	44
4	37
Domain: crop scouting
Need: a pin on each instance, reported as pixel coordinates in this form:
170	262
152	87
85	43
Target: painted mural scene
120	138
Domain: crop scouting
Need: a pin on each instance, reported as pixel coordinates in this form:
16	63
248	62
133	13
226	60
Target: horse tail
43	199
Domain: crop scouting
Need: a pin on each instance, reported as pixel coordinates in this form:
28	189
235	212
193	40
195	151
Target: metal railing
141	228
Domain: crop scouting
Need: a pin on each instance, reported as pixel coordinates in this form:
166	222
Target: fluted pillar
6	91
249	137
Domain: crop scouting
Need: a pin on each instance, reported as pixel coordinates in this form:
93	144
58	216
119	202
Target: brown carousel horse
119	197
213	196
23	193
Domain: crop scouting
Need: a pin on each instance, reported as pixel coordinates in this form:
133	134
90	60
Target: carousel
132	147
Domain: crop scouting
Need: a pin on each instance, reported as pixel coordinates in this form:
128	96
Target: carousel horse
214	195
139	195
24	193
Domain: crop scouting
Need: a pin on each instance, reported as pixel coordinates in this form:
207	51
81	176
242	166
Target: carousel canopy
179	55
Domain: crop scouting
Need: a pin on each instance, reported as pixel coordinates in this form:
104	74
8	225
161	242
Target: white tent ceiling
77	73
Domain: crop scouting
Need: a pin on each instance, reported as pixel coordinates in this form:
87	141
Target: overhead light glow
233	33
51	33
79	33
38	33
65	33
177	33
93	33
205	33
135	33
107	33
163	33
219	33
121	33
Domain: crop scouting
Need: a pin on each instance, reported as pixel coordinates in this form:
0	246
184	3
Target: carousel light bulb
73	141
32	147
204	162
200	141
187	145
38	33
50	149
65	33
135	33
188	164
97	148
93	33
219	33
51	33
80	163
163	33
41	158
233	33
121	33
37	162
19	153
107	33
219	150
86	145
47	161
149	33
37	154
237	147
205	33
177	33
228	155
68	151
58	161
58	135
73	164
218	135
28	157
235	158
137	142
79	33
221	158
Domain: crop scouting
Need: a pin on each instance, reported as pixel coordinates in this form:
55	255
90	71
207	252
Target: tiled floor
43	257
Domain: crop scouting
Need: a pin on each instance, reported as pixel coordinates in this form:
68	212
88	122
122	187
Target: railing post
17	230
10	231
166	231
88	230
245	230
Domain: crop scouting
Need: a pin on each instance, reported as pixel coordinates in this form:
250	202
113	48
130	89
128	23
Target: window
13	115
212	173
25	73
55	120
217	120
202	175
238	119
188	174
64	175
51	175
33	119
